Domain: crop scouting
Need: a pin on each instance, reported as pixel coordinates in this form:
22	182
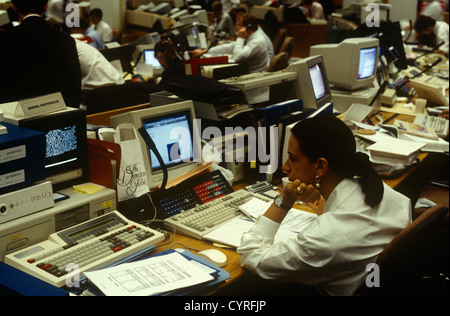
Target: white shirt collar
30	15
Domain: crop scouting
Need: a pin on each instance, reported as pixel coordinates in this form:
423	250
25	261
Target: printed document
151	276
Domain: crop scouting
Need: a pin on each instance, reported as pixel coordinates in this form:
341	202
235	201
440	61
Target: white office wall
114	11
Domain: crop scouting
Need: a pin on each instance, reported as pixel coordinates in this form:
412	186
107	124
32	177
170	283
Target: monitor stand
343	98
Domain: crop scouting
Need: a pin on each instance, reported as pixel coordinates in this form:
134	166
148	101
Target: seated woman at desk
360	215
169	59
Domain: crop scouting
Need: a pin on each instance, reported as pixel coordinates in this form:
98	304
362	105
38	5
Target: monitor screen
175	132
185	38
155	37
350	64
150	59
317	81
66	157
367	62
172	134
312	82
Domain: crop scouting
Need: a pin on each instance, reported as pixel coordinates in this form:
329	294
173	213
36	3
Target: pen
391	118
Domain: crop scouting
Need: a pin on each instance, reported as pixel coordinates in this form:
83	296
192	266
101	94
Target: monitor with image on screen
66	156
351	64
173	129
312	82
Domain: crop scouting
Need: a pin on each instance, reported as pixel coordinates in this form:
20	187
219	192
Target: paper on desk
88	188
155	275
254	208
357	112
231	233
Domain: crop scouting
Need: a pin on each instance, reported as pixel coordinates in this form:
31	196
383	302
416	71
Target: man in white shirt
249	48
313	10
103	28
96	70
431	33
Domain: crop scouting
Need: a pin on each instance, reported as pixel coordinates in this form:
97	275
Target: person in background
228	5
239	24
358	215
97	23
37	59
169	59
88	35
313	10
249	48
96	70
223	26
431	33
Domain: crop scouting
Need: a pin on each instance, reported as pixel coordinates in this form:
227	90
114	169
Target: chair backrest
287	46
279	62
279	39
407	255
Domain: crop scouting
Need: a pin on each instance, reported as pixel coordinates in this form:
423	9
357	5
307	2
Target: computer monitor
351	64
66	157
312	82
390	39
187	37
173	129
150	59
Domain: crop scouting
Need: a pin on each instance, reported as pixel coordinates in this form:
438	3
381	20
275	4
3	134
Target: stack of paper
152	276
393	150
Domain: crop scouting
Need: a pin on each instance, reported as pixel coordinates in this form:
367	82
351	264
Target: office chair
412	260
279	39
279	62
287	46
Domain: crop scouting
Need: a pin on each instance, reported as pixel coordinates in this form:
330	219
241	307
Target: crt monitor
312	82
351	64
173	129
66	156
391	41
186	38
150	59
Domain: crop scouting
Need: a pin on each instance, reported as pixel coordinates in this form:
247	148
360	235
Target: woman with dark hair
358	214
169	59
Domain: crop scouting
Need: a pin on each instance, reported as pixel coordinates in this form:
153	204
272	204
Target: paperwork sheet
151	276
231	233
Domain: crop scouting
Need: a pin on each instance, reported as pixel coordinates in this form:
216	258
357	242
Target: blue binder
14	282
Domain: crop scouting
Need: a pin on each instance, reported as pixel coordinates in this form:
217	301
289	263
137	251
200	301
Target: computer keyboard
439	124
202	219
88	246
